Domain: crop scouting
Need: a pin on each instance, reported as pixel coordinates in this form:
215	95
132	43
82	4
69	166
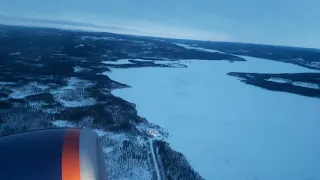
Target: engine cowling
52	154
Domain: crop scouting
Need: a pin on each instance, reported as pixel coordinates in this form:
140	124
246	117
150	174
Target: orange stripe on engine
70	155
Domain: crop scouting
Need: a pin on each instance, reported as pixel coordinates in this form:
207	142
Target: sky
278	22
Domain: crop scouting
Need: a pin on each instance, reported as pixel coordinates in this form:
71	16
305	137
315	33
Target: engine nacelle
52	154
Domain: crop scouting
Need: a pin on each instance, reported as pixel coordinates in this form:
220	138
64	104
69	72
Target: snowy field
112	143
229	130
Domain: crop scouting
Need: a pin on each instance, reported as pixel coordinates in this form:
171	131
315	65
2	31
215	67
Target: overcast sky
280	22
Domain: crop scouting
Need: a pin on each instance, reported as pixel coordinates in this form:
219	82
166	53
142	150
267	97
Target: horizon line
91	27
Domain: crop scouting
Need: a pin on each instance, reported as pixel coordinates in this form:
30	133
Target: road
155	158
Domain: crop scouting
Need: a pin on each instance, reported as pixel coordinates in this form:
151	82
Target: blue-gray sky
280	22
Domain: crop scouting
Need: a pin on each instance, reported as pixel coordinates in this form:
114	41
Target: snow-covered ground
296	83
156	167
226	129
2	83
81	69
279	80
27	90
112	143
73	94
198	48
127	61
307	85
118	62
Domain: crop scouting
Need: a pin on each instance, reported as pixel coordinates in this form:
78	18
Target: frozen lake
226	129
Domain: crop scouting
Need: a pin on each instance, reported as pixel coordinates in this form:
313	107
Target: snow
74	94
50	110
156	167
132	168
80	45
97	38
118	62
15	54
107	149
225	128
152	132
296	83
297	59
160	58
79	102
100	132
76	83
2	83
27	90
143	60
38	85
279	80
117	167
62	124
37	105
172	63
26	58
314	64
138	173
307	85
140	140
117	137
199	48
165	62
81	69
259	65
